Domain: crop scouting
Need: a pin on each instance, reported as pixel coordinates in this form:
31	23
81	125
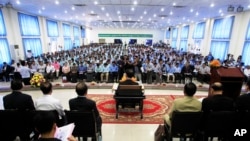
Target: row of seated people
215	102
20	101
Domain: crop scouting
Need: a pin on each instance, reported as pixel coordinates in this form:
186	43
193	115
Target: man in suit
81	102
217	101
20	101
243	101
128	81
188	103
6	70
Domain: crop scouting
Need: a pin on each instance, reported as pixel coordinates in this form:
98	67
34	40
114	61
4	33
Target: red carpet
155	106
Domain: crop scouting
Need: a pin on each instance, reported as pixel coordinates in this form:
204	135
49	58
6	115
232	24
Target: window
184	37
221	35
168	32
4	46
66	30
29	25
76	36
33	44
246	48
174	37
5	52
67	44
52	28
199	31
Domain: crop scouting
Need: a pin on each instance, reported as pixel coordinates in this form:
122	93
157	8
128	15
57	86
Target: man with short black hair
188	103
48	102
243	101
82	103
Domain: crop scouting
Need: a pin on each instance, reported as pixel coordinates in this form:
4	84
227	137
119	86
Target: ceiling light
191	10
56	2
230	8
132	9
95	2
65	11
240	9
39	11
220	11
162	9
92	12
141	17
162	18
43	8
145	12
55	16
135	2
174	4
197	13
118	12
221	14
248	6
73	8
171	13
107	14
154	15
17	2
212	5
103	8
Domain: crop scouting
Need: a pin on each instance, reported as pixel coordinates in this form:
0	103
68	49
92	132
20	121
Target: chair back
129	90
183	123
219	123
85	123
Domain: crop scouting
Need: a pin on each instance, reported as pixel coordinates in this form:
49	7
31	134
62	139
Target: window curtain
33	44
67	44
222	28
5	52
174	42
29	25
83	32
76	31
245	53
184	32
76	42
52	28
219	49
199	30
175	33
183	45
2	25
168	32
66	30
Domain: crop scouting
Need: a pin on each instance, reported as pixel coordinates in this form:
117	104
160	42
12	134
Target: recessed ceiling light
56	2
132	9
221	14
73	8
162	9
55	16
135	2
107	14
65	11
174	4
141	17
149	19
95	2
204	18
39	11
118	12
171	13
103	8
83	14
145	12
220	11
212	5
197	13
92	12
17	2
248	6
191	10
154	15
162	18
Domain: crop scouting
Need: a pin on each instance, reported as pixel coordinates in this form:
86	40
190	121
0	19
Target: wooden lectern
231	79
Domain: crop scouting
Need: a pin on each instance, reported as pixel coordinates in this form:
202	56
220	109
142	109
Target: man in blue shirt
113	70
82	69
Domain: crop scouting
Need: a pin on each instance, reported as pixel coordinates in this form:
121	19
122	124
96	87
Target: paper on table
64	132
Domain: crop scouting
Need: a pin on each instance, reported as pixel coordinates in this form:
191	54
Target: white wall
92	35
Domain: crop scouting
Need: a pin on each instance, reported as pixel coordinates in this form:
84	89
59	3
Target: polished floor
113	132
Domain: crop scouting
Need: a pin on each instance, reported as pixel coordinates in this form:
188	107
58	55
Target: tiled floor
114	132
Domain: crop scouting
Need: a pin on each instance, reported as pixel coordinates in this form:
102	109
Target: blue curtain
183	45
29	25
245	53
168	32
66	30
175	33
76	31
174	42
219	49
33	44
2	25
83	34
199	30
52	28
5	52
222	28
184	32
77	42
67	44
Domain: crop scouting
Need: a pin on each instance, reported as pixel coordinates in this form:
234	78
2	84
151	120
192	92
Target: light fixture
240	9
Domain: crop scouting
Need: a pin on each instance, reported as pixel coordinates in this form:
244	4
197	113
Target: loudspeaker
240	9
16	47
169	29
230	9
81	27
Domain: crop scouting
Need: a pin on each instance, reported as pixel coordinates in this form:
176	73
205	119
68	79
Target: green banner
127	35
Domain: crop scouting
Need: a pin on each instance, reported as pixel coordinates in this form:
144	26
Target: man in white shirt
47	101
247	72
105	72
25	73
204	73
50	69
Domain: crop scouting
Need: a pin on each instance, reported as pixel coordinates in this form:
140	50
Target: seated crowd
107	63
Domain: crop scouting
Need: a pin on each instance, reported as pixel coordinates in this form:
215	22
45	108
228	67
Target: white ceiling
158	14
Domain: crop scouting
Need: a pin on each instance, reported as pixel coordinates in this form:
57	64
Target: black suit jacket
128	82
84	104
218	103
18	100
243	102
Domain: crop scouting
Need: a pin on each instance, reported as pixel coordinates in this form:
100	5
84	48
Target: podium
231	79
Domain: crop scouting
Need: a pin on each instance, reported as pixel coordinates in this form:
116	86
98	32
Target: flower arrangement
215	63
37	79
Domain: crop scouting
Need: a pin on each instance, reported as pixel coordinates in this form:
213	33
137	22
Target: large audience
107	63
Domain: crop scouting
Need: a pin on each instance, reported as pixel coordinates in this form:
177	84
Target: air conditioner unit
230	9
8	5
240	9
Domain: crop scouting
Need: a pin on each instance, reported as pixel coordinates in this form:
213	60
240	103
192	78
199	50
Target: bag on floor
160	133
